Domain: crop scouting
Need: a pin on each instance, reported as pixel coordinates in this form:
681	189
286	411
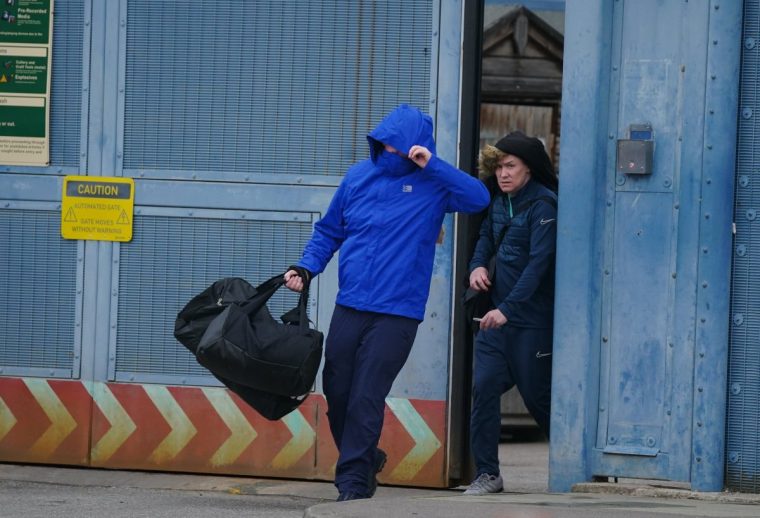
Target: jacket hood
402	128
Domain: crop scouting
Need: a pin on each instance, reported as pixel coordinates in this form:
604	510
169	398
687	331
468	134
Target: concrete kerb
654	491
450	504
569	505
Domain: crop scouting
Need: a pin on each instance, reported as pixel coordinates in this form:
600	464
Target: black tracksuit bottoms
505	357
364	353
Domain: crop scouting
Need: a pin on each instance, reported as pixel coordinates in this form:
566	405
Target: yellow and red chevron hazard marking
201	429
44	419
413	437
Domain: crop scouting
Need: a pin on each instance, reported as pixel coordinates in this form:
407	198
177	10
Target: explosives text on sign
97	209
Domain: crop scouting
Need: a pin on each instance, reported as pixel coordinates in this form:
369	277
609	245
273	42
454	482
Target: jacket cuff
506	310
302	272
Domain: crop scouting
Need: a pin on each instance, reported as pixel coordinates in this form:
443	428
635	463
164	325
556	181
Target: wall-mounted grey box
635	156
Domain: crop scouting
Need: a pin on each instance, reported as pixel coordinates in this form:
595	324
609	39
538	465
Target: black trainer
380	459
349	495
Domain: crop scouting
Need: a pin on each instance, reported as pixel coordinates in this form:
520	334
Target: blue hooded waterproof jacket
386	216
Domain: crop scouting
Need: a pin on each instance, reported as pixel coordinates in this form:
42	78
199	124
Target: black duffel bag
246	345
271	406
194	319
197	314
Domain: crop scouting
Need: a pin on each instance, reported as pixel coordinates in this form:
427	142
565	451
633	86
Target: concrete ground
46	492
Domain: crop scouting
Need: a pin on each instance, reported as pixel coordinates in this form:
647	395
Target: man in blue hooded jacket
385	218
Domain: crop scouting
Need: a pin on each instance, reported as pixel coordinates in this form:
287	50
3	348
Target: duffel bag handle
266	289
305	275
264	292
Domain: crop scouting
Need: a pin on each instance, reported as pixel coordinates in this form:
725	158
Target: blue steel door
652	283
643	415
654	286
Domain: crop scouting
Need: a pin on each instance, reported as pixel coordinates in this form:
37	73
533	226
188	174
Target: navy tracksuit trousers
505	357
364	353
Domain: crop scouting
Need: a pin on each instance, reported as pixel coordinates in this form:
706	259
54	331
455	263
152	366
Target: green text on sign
22	121
25	21
23	74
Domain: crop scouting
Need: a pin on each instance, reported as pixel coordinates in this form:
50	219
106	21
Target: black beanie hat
531	151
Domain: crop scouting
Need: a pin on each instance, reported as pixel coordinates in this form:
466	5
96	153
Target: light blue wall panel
256	107
41	311
639	359
264	110
40	279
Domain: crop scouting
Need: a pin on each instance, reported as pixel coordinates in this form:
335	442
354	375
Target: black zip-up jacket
523	286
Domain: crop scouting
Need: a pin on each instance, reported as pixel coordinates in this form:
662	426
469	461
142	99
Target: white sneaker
485	484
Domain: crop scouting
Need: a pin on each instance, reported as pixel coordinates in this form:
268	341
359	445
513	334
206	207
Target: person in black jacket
514	343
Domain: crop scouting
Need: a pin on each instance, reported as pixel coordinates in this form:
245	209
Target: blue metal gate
237	121
238	131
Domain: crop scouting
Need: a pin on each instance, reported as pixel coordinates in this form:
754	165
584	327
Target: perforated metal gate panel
224	90
170	260
743	421
268	86
38	273
38	270
66	83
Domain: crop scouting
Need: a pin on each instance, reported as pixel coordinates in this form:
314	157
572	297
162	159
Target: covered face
401	129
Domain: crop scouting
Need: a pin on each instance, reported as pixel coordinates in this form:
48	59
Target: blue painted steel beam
583	150
715	242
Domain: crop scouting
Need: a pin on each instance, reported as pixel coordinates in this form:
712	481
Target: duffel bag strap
264	292
305	275
303	319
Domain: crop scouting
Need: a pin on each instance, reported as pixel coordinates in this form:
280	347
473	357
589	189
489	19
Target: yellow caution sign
97	208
